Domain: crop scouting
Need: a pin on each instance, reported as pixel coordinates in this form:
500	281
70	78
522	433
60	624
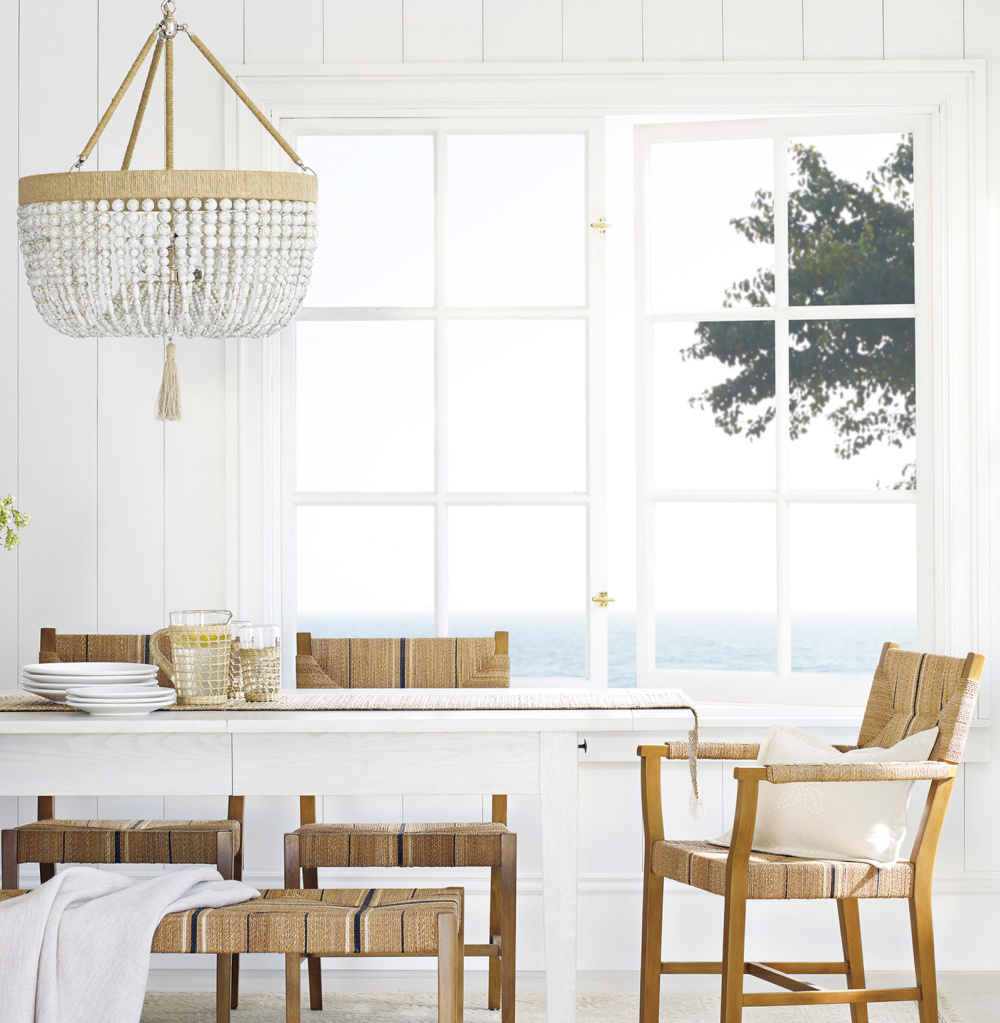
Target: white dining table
454	748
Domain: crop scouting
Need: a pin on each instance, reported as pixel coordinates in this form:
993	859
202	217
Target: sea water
549	645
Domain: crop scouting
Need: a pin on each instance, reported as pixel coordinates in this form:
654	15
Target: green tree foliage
849	244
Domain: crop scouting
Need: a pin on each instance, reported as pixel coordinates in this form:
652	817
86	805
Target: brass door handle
603	599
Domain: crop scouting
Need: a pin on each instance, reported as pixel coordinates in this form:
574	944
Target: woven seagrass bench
329	922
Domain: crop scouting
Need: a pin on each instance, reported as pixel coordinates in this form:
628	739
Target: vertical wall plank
57	389
924	28
762	29
443	30
10	271
291	33
848	30
362	33
679	30
596	30
522	30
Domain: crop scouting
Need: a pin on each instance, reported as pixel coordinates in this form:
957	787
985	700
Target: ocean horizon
552	645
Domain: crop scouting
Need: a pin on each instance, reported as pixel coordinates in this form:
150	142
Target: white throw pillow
854	820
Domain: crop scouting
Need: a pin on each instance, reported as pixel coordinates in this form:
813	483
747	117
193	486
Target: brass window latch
603	599
601	224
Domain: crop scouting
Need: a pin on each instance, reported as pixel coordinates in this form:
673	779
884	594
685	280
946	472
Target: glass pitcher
200	644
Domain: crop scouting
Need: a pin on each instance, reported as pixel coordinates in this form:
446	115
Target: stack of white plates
53	680
118	700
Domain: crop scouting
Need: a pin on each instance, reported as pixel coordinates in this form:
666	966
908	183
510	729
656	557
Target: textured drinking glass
201	646
235	691
260	662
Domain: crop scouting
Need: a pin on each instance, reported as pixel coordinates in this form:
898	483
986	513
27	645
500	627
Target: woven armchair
910	692
49	841
443	663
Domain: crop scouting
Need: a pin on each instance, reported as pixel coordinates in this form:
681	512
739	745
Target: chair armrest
703	751
780	774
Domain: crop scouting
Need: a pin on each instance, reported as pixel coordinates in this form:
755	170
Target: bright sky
515	388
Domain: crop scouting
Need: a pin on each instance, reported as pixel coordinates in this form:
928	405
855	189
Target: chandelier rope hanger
164	253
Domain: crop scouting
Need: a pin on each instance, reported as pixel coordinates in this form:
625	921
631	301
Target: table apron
429	763
116	763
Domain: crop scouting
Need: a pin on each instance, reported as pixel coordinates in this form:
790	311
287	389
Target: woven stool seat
128	841
781	877
400	845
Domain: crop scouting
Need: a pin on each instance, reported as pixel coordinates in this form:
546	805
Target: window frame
783	685
951	92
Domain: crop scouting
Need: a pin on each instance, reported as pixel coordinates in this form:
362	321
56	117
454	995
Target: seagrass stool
353	922
50	841
911	692
443	663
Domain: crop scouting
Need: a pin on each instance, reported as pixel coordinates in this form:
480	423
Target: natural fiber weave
113	841
131	649
781	774
781	877
452	663
168	184
422	699
714	750
912	692
329	922
400	845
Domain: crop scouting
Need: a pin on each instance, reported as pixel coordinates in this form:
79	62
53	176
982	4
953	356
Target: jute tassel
168	402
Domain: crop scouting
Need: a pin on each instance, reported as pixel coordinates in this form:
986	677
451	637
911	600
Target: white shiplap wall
130	515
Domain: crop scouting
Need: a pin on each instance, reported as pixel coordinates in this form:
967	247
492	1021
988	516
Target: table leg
559	827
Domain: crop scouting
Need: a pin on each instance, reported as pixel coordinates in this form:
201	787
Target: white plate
116	694
121	710
56	697
89	668
86	680
62	686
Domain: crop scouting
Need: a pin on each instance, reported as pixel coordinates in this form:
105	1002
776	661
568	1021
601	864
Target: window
782	466
768	496
447	368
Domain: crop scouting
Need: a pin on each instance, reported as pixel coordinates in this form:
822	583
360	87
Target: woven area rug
199	1007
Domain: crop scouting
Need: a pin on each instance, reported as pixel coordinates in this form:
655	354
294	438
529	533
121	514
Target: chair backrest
134	649
443	663
912	692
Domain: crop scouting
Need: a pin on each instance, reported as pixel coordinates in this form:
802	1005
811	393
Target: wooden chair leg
223	987
236	813
733	955
448	957
293	993
922	931
496	917
652	944
315	982
8	860
850	937
508	927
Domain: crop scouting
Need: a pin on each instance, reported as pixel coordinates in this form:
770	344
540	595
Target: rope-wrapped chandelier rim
83	186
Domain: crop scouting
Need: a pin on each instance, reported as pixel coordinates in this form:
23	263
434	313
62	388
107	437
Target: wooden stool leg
922	930
496	918
8	860
733	955
236	808
293	993
46	811
448	969
652	944
850	937
508	926
223	987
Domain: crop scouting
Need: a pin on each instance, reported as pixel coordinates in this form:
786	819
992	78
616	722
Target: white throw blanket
76	949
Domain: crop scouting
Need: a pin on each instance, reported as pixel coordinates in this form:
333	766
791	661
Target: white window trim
951	93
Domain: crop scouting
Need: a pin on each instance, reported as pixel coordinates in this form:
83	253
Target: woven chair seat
400	845
111	841
781	877
354	921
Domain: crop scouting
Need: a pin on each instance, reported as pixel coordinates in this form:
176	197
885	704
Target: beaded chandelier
153	253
